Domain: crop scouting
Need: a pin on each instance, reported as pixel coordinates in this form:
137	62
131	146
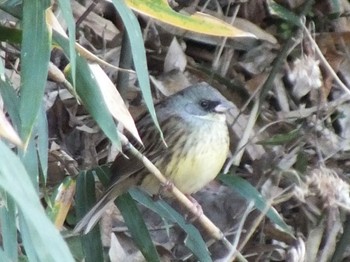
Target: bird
196	136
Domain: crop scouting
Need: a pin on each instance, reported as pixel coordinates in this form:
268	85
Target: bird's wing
153	148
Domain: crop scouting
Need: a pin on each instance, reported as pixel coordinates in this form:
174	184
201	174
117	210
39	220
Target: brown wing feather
153	147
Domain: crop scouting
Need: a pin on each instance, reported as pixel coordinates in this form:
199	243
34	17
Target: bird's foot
197	210
166	187
163	189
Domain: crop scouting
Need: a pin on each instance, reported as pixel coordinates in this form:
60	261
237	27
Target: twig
234	250
244	139
86	13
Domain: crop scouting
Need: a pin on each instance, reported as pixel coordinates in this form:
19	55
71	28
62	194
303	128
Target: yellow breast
197	164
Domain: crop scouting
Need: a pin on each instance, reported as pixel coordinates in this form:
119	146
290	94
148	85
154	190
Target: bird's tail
93	216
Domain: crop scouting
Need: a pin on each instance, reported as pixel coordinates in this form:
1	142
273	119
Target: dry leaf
116	252
114	101
175	57
305	76
171	82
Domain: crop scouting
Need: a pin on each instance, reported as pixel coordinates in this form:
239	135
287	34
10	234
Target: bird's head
202	101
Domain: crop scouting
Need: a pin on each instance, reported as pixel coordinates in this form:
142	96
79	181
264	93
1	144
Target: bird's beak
223	107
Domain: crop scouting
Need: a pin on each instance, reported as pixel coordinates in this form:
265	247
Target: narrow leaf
85	199
11	101
281	139
11	35
36	44
43	142
137	227
63	201
251	194
67	12
139	55
4	257
283	13
15	181
29	159
194	240
197	22
8	227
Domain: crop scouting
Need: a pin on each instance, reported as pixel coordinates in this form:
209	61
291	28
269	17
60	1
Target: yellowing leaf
63	201
197	22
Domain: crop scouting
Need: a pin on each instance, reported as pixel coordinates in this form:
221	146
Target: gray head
200	100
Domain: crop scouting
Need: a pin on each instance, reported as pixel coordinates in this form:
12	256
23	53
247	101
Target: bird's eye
204	104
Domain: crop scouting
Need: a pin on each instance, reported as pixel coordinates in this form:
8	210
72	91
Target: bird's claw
164	187
197	210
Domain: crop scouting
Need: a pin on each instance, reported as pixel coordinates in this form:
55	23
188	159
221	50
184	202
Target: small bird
193	123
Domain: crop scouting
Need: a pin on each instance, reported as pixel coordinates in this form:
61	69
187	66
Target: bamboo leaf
196	22
137	227
35	56
8	227
194	240
251	194
139	55
67	13
85	199
15	181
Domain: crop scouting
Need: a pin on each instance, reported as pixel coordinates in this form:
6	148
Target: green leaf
137	227
74	243
283	13
15	181
8	227
13	7
139	55
194	240
65	6
29	156
2	68
85	199
251	194
281	139
4	257
43	142
35	56
93	100
11	101
29	159
104	174
30	241
302	162
12	35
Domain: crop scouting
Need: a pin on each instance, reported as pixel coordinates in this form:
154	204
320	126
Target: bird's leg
197	210
164	187
167	186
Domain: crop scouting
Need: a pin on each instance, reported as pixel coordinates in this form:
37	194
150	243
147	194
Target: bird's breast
194	160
